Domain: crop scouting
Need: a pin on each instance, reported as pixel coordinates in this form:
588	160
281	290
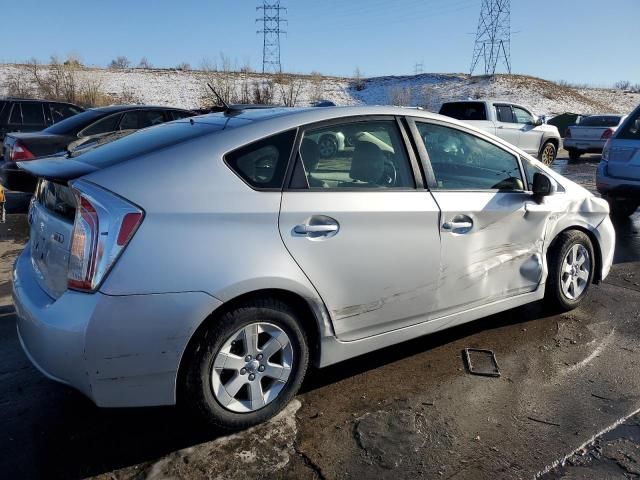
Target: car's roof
27	100
304	115
122	108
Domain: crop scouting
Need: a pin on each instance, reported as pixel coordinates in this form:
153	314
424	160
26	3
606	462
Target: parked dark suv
89	125
28	115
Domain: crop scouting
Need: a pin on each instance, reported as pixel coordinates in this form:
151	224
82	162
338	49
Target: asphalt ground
411	410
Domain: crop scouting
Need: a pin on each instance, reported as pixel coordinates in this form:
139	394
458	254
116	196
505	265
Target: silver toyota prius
210	261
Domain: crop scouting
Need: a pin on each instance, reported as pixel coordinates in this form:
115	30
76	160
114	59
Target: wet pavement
411	410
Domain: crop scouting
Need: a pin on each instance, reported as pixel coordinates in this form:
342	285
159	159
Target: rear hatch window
600	121
464	110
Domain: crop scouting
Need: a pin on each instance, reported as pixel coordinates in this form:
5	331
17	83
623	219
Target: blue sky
586	41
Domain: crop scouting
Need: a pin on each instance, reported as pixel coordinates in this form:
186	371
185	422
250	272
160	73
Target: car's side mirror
538	121
542	186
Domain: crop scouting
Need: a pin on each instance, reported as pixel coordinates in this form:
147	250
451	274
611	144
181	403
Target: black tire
574	155
197	394
328	145
554	296
548	153
621	208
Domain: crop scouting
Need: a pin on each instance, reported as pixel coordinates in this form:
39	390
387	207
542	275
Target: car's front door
492	238
361	228
530	135
506	126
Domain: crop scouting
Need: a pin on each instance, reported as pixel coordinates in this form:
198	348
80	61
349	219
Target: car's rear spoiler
57	168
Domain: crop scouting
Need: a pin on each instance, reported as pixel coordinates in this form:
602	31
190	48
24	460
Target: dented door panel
500	256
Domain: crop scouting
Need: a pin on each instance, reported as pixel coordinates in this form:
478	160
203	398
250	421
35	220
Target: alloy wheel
575	273
548	154
252	367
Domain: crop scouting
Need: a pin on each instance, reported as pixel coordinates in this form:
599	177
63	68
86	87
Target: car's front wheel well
597	273
300	306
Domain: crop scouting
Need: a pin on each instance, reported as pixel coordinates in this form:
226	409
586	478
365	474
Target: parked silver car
590	135
209	261
618	174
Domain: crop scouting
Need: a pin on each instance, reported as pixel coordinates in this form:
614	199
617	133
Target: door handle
305	229
458	224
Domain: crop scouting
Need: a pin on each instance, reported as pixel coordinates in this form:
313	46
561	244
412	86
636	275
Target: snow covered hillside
187	89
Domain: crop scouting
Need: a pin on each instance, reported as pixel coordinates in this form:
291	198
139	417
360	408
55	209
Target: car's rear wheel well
300	306
597	274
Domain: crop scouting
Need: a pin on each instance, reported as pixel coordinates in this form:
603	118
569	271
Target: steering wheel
389	174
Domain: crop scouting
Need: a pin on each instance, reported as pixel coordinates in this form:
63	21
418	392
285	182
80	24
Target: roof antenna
227	108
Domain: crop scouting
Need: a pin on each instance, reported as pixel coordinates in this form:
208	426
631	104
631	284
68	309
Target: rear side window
356	155
16	115
631	128
462	161
464	110
178	114
106	125
141	119
505	114
263	164
32	114
60	111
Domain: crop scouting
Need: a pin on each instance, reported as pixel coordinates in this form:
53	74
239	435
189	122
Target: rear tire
571	267
214	370
548	153
621	208
574	155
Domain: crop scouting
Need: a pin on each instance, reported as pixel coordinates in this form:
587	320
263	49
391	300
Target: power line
493	36
271	20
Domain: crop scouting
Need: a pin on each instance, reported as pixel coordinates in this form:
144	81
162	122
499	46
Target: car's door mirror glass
542	185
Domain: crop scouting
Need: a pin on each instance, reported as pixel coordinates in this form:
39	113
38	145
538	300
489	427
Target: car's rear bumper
120	351
13	178
583	145
615	186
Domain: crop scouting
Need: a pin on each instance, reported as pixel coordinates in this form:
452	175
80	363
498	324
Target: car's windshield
600	121
74	123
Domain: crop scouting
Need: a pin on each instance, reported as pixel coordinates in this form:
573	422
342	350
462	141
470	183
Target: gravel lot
407	411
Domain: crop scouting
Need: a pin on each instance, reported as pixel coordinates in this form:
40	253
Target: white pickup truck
513	123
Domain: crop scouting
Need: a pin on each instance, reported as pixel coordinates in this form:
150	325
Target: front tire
246	366
571	267
548	153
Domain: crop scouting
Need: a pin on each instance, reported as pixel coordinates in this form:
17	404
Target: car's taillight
20	153
605	151
567	133
104	224
607	134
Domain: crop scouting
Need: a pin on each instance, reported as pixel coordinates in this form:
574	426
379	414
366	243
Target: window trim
426	161
414	170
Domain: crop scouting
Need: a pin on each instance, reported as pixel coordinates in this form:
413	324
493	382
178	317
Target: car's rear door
492	237
362	227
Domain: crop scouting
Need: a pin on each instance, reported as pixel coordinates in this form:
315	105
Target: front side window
356	155
462	161
522	116
263	164
505	114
